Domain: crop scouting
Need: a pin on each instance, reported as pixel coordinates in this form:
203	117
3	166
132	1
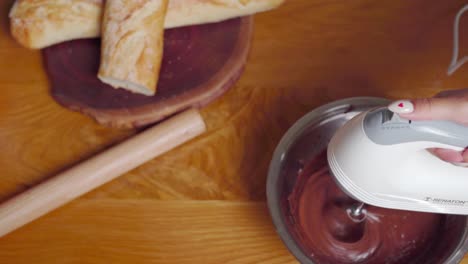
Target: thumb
443	108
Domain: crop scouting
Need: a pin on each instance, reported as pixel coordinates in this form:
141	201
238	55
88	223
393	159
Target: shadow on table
5	7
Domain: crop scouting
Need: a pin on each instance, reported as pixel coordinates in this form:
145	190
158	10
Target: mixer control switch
388	118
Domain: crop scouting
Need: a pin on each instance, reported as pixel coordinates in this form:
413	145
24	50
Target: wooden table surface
205	201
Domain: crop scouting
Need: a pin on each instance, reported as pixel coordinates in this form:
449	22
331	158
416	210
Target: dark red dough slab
200	63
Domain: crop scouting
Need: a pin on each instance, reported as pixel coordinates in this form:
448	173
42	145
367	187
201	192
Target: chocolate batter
322	224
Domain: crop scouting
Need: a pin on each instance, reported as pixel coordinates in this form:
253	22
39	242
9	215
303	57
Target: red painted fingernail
401	107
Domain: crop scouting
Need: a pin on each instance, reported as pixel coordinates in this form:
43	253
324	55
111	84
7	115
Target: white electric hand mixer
381	159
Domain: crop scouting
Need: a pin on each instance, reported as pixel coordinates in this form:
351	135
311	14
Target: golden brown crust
132	44
40	23
192	12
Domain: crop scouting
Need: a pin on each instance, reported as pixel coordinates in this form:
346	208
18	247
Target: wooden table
205	201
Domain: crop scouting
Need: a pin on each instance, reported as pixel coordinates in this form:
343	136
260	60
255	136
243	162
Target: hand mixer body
382	160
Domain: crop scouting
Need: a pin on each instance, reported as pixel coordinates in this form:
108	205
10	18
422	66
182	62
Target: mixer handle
384	127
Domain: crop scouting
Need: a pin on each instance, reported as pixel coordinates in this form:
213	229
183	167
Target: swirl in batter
327	231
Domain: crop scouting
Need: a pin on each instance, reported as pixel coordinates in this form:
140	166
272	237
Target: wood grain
304	54
68	185
142	231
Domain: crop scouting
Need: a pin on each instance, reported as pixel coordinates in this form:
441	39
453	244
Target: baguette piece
132	44
37	24
41	23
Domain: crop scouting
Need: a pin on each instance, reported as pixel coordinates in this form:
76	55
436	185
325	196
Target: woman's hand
449	105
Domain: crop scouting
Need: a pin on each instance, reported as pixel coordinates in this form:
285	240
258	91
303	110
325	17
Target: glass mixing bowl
315	130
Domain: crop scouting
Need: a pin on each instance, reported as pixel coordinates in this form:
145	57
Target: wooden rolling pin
98	170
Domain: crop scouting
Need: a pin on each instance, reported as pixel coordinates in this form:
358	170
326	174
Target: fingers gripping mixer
382	159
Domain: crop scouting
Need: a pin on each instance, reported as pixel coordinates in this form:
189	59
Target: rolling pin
98	170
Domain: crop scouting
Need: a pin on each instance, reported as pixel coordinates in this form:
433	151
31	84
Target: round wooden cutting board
200	63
